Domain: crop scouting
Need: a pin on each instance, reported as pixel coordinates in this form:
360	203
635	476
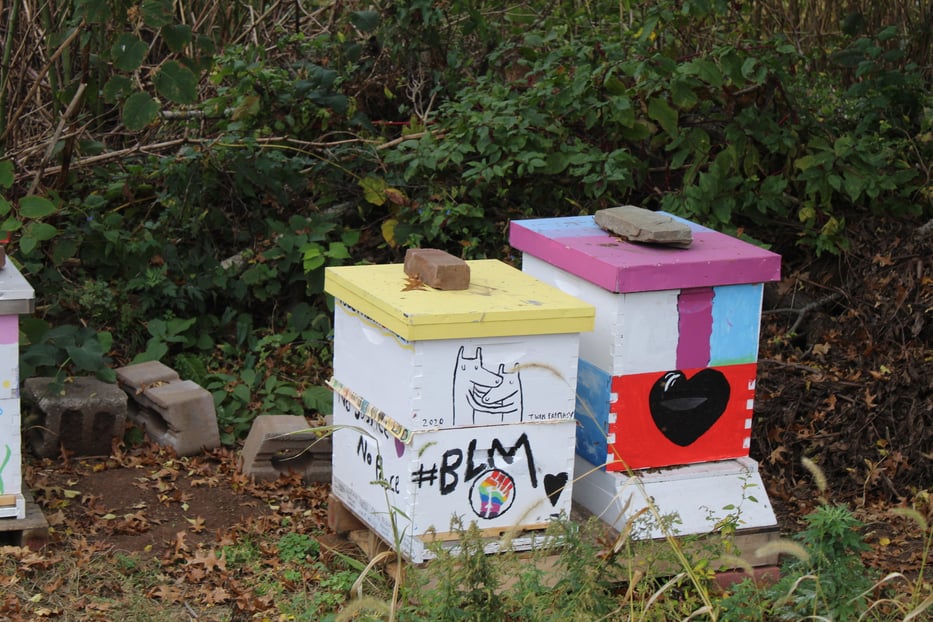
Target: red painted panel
681	417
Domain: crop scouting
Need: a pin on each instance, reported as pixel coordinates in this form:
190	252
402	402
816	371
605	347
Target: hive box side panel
373	361
632	332
736	324
594	412
12	504
691	499
648	336
441	384
9	356
596	346
681	416
499	477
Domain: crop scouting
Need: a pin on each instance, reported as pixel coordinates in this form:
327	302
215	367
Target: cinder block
174	412
179	414
437	268
279	444
83	416
143	375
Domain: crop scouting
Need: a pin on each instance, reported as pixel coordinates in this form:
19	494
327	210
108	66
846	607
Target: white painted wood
9	371
503	478
447	383
11	473
693	499
633	333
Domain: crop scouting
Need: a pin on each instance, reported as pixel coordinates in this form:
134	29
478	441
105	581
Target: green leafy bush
430	124
830	581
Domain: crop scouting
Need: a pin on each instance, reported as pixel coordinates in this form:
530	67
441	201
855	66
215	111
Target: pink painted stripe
695	308
9	329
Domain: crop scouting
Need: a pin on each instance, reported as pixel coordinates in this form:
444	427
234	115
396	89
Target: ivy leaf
35	207
661	111
128	52
93	12
88	357
388	231
139	111
105	338
614	86
336	250
157	13
683	96
242	393
853	186
27	244
40	355
11	224
374	190
6	173
319	399
176	82
555	162
41	231
155	350
177	36
117	87
312	257
365	21
705	70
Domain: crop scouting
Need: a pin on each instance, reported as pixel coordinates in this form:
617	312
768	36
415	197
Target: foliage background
175	176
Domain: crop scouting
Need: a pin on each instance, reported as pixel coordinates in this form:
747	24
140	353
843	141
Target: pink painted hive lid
579	246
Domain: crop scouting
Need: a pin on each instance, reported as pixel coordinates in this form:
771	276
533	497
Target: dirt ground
151	502
845	372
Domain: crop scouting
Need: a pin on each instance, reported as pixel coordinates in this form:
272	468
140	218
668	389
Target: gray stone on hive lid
637	224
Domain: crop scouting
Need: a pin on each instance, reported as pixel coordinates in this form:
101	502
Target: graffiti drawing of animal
478	390
504	400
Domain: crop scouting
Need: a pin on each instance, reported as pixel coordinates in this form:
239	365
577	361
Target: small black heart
685	409
554	485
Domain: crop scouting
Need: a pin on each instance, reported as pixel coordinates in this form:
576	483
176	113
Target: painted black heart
684	410
554	485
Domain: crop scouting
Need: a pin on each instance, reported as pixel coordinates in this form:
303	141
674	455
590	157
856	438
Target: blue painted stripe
736	324
592	412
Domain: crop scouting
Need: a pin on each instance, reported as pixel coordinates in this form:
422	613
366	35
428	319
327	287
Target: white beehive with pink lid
16	298
667	377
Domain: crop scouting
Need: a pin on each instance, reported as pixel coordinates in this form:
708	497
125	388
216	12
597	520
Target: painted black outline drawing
484	394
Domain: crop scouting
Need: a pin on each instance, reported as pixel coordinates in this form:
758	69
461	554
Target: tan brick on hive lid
637	224
437	268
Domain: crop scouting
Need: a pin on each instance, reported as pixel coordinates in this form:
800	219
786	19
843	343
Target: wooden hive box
16	297
454	405
667	377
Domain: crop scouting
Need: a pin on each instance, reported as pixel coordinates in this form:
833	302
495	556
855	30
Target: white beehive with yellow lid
453	405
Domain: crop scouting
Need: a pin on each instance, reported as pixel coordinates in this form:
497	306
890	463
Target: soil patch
151	502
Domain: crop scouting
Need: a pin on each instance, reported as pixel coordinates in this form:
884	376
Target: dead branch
69	112
805	310
266	140
45	69
401	139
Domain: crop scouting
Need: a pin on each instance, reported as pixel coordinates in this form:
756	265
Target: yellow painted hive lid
501	301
